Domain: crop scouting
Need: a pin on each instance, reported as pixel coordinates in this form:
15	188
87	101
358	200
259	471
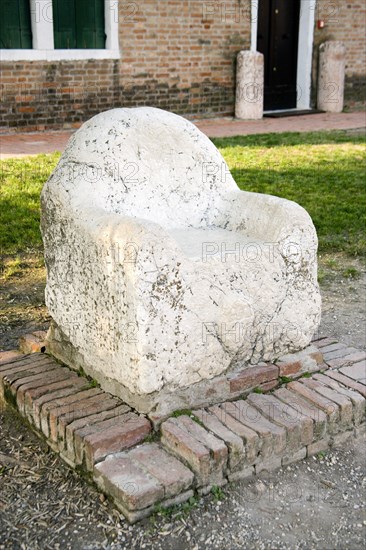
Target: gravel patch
317	503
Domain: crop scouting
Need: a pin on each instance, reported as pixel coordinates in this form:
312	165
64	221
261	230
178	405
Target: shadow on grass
21	226
335	199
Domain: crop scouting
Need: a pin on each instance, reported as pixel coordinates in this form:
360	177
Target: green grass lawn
322	171
21	182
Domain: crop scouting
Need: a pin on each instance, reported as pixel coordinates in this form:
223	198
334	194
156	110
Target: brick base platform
290	414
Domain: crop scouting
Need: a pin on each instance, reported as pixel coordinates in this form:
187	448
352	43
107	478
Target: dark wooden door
277	40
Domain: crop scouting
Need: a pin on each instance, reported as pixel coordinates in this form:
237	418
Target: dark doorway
277	40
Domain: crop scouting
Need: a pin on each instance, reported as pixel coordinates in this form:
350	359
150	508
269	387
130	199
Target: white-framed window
59	30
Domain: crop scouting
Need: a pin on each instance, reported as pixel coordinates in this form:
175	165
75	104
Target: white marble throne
162	275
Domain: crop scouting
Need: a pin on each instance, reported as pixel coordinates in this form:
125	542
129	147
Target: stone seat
161	273
214	244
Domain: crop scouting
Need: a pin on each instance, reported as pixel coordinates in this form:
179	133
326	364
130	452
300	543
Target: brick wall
345	21
175	54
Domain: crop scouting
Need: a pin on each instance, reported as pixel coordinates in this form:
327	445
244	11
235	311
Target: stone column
332	59
249	85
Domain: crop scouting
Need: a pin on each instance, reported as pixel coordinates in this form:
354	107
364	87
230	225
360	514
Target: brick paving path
304	123
19	144
140	468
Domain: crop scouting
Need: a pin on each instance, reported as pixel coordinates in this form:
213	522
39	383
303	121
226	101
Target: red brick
32	343
299	428
295	363
273	436
304	407
127	432
26	109
326	405
317	356
171	474
323	342
50	389
187	447
333	347
357	400
18	365
337	354
294	456
8	356
91	406
38	385
346	381
80	384
269	386
59	417
252	377
218	450
345	404
289	368
127	482
249	437
34	374
349	359
357	372
87	425
233	442
62	405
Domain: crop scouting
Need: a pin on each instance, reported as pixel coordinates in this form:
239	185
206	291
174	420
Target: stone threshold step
191	453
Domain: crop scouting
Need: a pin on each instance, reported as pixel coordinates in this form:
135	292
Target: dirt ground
318	503
343	289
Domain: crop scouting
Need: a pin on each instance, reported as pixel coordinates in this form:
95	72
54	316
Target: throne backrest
146	163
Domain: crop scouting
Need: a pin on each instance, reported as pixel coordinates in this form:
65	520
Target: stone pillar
249	85
332	59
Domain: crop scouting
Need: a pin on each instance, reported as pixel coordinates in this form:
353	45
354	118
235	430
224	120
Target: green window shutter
15	24
25	24
64	25
90	30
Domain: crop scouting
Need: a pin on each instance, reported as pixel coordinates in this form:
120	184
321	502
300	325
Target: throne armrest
278	222
137	243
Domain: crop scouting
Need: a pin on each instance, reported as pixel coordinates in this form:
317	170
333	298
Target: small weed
285	379
152	437
257	390
217	492
321	455
181	412
177	510
351	273
322	275
11	269
159	510
92	382
188	506
306	375
332	263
